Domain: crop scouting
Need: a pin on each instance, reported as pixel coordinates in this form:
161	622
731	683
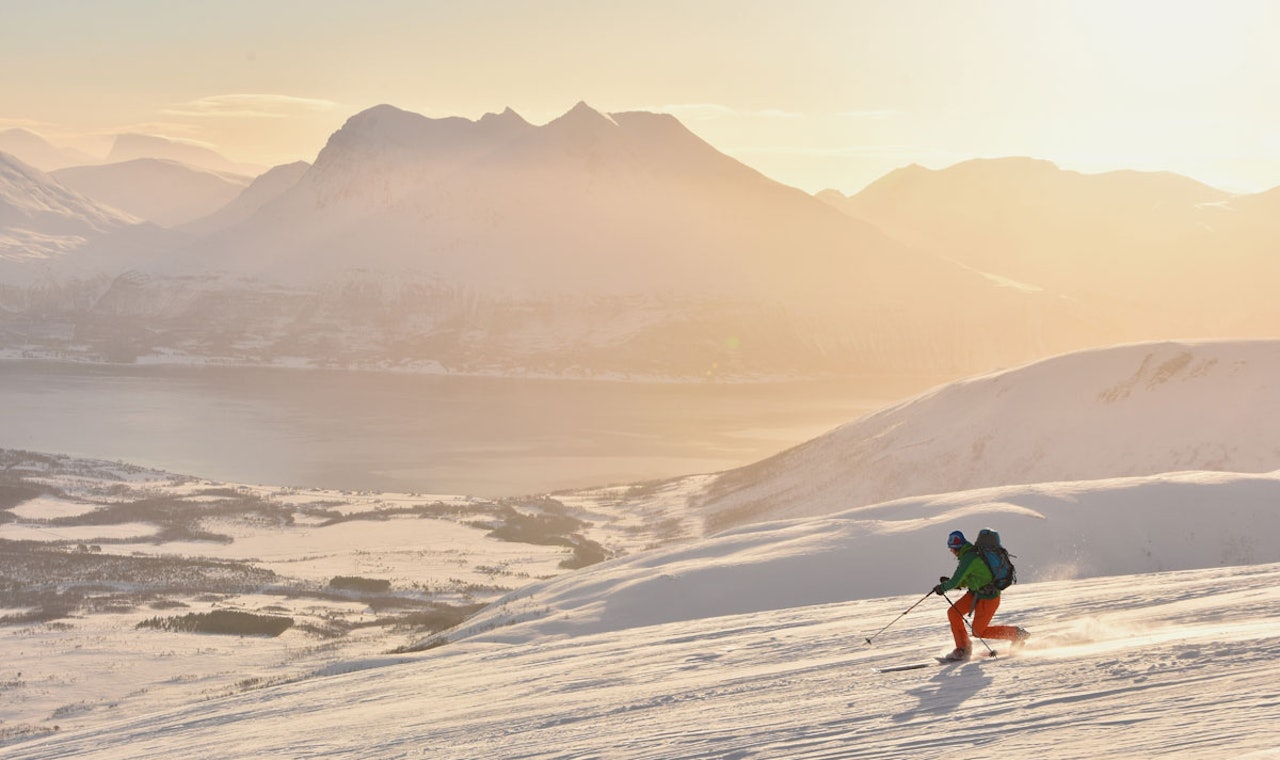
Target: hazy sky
814	93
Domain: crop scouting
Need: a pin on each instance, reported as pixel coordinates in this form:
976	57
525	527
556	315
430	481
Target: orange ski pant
982	615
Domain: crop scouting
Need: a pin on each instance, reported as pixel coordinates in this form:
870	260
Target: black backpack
1003	574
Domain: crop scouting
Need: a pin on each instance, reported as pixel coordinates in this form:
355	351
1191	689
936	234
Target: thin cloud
834	151
172	131
28	124
872	115
249	105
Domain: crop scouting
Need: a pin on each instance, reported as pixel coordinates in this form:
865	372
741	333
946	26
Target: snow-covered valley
1149	585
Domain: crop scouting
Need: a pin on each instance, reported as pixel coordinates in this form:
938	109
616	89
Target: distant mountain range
1156	254
130	147
166	192
38	152
622	244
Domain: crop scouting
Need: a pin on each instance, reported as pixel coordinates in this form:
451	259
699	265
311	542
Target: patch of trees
438	617
362	585
551	526
57	583
225	622
12	495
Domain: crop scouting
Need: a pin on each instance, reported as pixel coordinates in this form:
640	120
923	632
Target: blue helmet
956	540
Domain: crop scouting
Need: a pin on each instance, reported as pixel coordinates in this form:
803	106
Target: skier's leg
955	615
982	614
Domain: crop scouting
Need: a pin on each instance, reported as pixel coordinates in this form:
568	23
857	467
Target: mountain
41	220
1133	410
264	189
59	252
38	152
157	190
594	244
586	203
622	245
128	147
1028	220
31	199
1154	254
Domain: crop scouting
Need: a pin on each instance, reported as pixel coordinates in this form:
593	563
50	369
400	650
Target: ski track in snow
1171	664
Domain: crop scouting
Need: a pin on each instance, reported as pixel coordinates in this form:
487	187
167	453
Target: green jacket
972	573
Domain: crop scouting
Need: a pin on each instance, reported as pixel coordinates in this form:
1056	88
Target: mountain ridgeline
609	245
1154	254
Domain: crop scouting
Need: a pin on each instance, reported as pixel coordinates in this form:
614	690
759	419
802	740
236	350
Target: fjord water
417	433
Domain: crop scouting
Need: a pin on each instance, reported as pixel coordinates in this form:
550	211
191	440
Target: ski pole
990	652
891	622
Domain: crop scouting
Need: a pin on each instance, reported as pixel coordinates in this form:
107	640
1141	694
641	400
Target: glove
938	589
943	579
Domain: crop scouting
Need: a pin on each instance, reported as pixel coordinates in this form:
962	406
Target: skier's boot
1020	638
959	654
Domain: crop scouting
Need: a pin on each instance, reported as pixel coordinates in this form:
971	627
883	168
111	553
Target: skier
982	597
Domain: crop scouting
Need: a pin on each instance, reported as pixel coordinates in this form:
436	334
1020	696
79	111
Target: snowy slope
1060	531
33	200
1178	663
43	225
1138	409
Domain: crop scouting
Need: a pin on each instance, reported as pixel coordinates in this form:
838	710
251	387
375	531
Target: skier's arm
961	573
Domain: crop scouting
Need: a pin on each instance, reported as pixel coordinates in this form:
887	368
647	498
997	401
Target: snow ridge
1121	411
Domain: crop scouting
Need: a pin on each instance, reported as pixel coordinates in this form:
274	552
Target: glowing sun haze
814	93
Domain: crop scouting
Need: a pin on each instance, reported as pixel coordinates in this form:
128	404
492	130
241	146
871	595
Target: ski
938	661
912	666
982	656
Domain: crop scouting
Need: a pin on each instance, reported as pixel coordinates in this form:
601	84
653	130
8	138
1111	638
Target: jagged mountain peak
581	122
386	124
508	116
583	112
386	129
